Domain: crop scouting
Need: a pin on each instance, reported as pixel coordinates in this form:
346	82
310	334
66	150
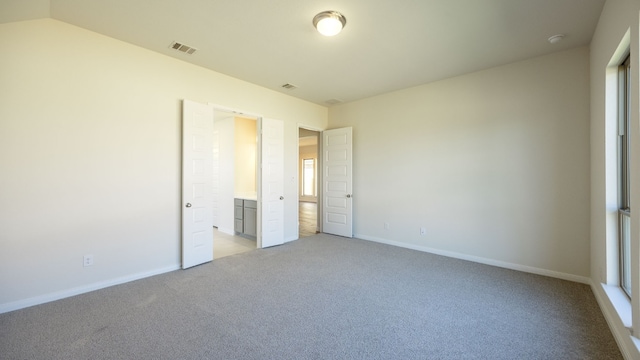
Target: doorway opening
235	166
209	183
309	170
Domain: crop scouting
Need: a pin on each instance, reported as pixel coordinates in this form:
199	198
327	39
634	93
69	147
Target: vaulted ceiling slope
385	46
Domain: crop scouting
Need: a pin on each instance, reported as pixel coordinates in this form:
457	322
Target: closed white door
337	182
271	221
197	183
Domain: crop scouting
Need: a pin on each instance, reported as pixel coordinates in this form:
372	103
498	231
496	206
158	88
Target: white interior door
271	219
337	216
197	180
216	178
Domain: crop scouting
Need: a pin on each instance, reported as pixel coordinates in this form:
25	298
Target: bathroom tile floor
225	244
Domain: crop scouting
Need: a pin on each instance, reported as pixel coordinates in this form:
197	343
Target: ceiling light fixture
556	38
329	23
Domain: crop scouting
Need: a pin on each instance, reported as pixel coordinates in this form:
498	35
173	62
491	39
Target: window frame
624	177
313	177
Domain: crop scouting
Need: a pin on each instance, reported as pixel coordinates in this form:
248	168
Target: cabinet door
250	217
238	226
238	212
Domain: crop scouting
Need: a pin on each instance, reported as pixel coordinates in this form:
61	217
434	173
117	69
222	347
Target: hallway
308	215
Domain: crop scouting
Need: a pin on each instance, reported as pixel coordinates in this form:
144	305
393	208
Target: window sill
620	302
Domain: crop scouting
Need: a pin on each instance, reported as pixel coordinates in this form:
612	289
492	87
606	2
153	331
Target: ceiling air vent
183	48
289	86
332	102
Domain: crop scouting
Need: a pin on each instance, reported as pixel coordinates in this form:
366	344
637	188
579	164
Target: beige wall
493	164
90	157
246	147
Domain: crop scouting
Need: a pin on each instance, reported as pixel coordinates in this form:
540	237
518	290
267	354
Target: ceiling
385	46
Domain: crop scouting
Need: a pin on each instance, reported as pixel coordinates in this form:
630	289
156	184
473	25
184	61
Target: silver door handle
281	197
349	195
188	205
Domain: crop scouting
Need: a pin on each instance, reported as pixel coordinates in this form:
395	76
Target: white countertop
246	196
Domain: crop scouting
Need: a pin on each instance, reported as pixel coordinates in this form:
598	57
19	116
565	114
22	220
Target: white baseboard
629	345
37	300
227	231
481	260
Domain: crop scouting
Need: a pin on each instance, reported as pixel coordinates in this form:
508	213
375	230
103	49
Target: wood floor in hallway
308	215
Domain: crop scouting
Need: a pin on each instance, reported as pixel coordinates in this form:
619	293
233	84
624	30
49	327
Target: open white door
216	177
337	182
197	180
272	183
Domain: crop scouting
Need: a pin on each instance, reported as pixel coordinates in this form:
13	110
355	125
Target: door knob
281	197
349	195
188	205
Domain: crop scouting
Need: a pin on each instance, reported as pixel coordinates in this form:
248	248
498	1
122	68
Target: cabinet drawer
238	202
252	204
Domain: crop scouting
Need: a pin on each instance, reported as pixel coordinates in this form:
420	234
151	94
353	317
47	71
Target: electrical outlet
423	231
386	226
88	260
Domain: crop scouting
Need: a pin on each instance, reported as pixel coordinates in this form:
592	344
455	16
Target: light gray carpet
321	297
